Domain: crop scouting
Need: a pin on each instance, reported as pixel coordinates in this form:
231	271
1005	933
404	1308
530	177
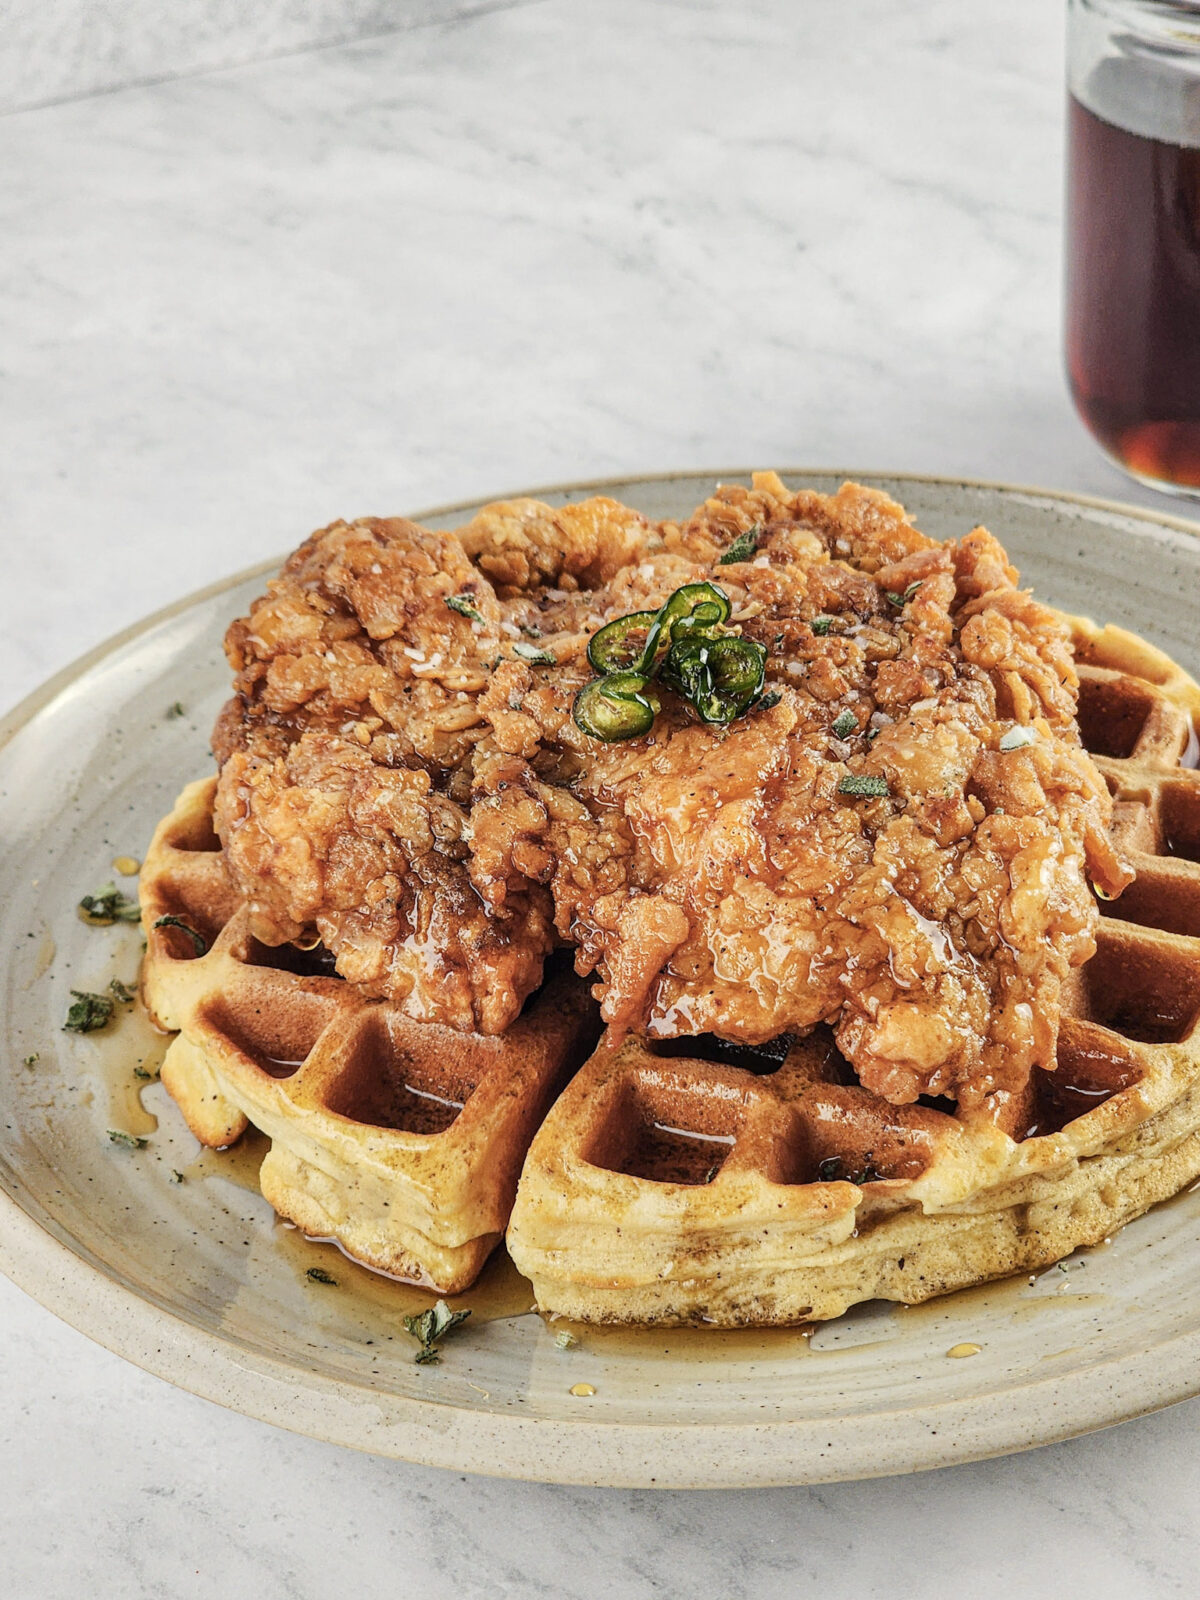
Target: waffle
688	1180
692	1180
400	1140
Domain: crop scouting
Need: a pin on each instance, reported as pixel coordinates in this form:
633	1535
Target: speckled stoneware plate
171	1257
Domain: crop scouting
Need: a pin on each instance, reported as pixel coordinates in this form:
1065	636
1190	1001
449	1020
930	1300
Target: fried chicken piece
401	774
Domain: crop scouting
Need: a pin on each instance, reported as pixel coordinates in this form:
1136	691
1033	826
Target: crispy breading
402	776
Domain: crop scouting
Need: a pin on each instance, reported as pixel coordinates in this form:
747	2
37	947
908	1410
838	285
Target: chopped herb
565	1340
742	548
535	657
903	599
176	1177
177	922
766	701
530	630
834	1170
431	1325
128	1141
175	709
32	1059
108	905
864	783
87	1012
820	626
462	604
1017	738
122	992
319	1275
146	1077
844	724
869	1174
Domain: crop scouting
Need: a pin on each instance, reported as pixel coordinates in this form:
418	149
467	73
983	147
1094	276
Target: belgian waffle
771	1188
759	1186
400	1140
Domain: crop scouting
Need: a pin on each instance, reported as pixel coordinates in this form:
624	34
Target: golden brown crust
399	779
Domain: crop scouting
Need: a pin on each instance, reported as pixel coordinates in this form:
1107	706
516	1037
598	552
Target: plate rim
586	1450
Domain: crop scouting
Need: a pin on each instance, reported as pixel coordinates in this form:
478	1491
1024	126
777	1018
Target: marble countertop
552	241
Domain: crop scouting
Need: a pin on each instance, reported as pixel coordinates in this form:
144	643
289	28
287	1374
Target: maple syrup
1133	296
129	1054
1133	233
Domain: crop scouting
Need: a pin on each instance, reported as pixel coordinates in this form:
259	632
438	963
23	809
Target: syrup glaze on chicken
402	777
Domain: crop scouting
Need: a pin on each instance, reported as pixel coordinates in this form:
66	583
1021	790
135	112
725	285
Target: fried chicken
402	777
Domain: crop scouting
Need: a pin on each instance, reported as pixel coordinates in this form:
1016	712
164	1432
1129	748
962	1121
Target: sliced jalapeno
620	646
694	608
721	677
615	707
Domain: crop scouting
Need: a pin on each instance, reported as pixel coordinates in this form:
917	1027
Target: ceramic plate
170	1257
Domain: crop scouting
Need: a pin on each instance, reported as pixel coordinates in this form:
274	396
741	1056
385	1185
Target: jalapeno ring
610	649
615	707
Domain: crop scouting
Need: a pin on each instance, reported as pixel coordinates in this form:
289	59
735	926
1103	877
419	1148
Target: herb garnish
864	783
88	1012
685	645
123	992
844	724
565	1340
430	1326
197	939
176	1176
1018	738
319	1275
175	709
834	1170
32	1059
766	701
535	657
903	599
129	1141
821	625
462	604
742	548
108	905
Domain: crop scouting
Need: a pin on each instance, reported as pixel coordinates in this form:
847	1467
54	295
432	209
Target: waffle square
400	1140
664	1187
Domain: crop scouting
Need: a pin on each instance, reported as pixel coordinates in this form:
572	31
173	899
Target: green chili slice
615	707
721	677
617	646
693	608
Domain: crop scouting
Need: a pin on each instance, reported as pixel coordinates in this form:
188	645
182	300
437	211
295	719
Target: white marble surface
54	50
561	240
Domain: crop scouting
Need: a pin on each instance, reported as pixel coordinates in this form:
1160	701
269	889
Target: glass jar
1133	233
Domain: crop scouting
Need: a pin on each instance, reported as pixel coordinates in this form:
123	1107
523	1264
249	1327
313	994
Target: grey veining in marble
57	49
554	241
